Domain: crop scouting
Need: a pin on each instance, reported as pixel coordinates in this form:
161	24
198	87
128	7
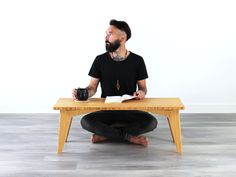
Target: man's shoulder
103	55
136	56
101	58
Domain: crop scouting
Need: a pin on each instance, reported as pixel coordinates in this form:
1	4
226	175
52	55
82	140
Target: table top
68	104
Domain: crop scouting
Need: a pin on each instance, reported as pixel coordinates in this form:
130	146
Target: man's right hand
74	93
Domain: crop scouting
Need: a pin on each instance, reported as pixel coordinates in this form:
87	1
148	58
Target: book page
118	99
127	97
113	99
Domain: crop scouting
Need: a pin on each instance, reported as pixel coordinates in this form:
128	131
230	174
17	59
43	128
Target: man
119	72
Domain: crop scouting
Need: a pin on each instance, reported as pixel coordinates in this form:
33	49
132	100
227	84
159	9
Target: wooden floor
28	144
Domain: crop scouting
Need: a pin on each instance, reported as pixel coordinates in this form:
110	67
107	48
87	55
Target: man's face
112	46
112	39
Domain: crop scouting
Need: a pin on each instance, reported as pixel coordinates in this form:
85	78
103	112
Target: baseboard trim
209	108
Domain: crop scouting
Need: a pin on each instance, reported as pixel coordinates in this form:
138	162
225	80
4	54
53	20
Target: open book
118	99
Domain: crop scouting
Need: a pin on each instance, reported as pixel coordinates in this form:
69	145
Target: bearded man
119	71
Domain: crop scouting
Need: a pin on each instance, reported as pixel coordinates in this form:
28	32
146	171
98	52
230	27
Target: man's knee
152	122
149	121
86	123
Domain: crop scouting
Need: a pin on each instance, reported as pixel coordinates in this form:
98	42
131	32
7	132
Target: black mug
82	94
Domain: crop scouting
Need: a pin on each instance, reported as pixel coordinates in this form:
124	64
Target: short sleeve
142	70
95	70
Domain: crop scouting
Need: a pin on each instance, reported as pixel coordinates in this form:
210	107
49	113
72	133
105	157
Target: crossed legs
119	125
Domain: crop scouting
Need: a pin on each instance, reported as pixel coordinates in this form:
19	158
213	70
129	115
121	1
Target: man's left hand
139	94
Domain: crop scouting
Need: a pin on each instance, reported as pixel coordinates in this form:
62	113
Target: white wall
47	47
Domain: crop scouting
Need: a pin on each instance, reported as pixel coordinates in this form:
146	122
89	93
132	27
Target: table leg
174	119
68	131
171	126
65	121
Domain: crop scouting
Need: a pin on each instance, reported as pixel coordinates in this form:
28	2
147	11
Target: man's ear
123	38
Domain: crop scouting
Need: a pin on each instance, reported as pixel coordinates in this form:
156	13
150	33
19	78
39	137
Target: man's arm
92	88
93	85
142	89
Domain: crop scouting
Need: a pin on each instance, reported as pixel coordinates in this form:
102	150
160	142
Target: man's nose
107	37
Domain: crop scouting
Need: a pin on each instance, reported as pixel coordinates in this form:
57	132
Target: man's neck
120	54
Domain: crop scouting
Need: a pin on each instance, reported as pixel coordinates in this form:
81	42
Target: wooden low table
168	107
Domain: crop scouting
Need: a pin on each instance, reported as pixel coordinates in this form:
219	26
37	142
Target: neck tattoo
119	58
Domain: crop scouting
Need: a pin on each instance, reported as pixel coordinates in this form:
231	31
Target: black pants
118	125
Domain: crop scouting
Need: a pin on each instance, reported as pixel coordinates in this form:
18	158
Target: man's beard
111	47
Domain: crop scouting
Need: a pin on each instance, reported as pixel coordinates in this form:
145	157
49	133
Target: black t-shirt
125	74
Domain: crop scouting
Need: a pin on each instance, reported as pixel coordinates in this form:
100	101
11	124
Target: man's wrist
144	91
